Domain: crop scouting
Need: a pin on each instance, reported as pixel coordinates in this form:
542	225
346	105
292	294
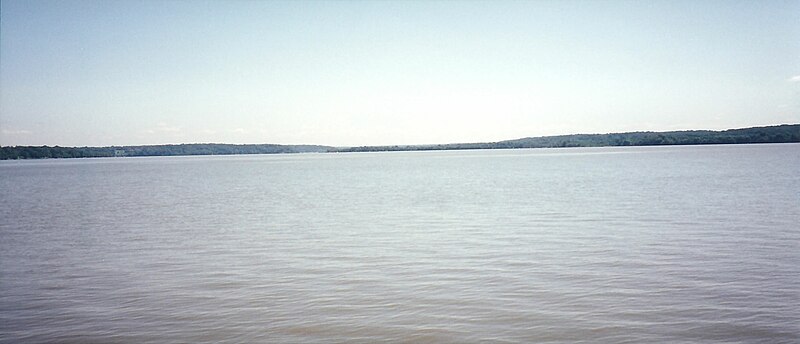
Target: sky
351	73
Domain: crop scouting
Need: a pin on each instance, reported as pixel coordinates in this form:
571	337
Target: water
639	244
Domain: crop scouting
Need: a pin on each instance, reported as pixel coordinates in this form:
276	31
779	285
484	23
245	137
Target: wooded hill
773	134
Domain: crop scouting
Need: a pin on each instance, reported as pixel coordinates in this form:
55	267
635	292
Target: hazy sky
373	72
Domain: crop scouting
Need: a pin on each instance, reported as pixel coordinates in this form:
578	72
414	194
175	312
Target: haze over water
634	244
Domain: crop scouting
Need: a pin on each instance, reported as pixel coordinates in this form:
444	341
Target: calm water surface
642	244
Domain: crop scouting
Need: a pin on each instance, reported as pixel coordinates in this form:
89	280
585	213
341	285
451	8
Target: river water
614	245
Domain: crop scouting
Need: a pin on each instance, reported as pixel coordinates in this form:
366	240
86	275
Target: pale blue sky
370	72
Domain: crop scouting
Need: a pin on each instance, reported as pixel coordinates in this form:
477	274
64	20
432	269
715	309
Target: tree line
772	134
41	152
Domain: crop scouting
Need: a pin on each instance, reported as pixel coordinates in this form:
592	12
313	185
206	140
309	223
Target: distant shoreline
786	133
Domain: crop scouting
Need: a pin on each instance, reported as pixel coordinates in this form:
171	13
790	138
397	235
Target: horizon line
404	144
